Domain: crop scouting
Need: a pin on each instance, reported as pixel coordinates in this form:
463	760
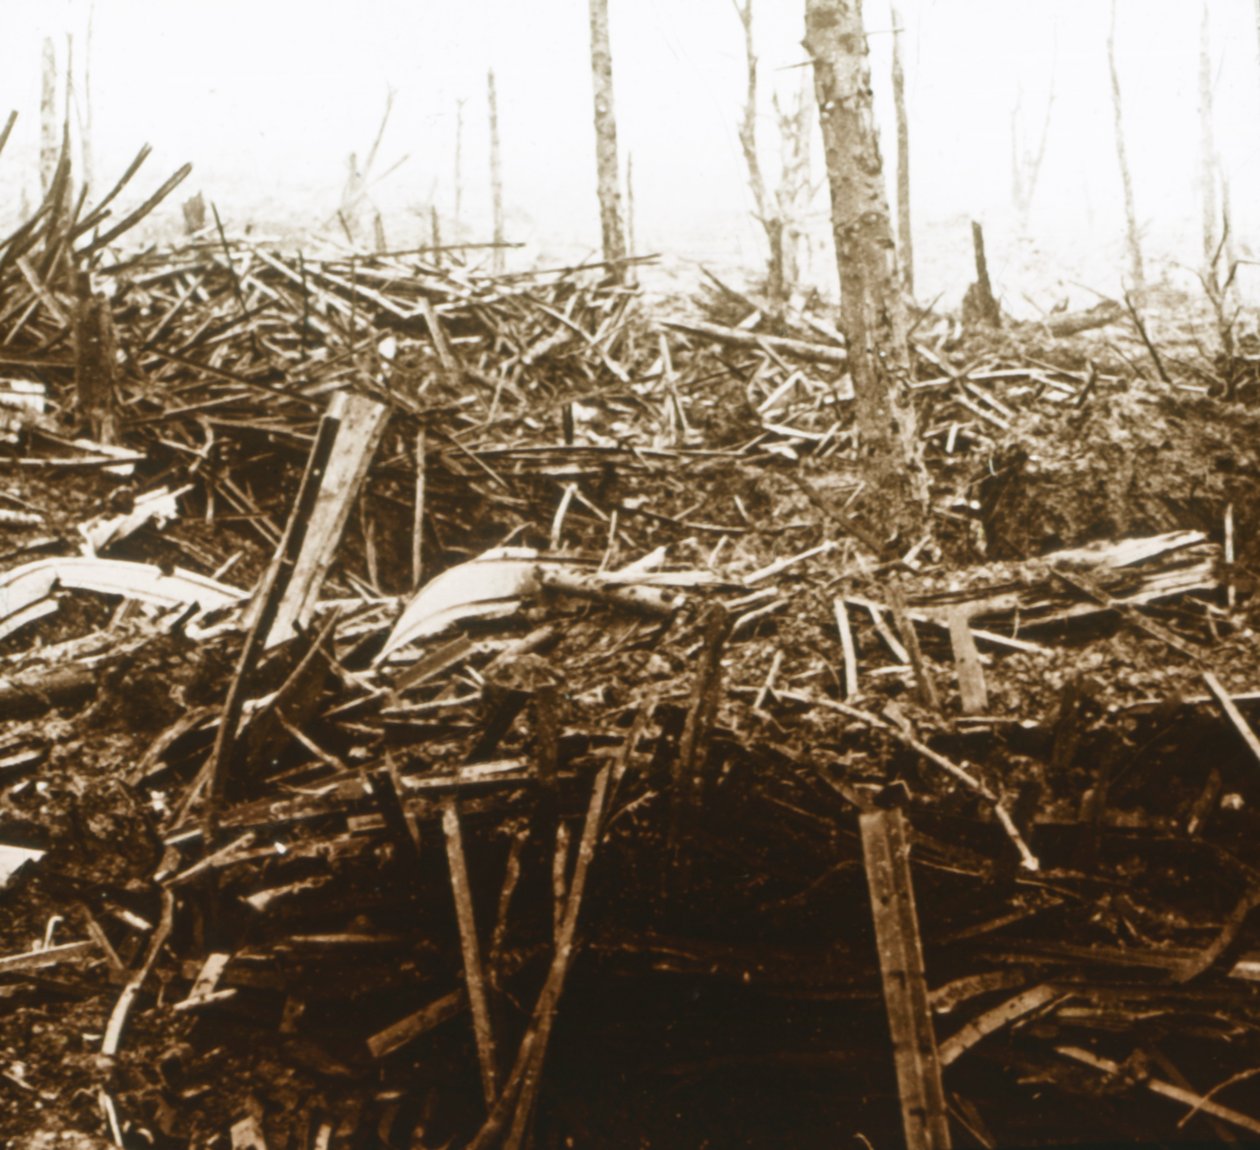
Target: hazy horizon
269	100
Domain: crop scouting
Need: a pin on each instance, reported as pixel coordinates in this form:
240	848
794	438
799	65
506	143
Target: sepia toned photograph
629	574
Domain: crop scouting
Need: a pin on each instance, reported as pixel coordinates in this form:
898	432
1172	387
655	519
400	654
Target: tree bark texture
870	308
608	170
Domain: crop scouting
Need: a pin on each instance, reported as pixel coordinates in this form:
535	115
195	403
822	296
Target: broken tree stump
979	307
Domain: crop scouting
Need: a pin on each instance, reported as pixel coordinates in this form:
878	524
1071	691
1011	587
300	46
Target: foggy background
268	99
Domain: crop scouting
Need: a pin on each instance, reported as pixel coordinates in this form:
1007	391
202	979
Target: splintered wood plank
971	687
471	949
886	852
361	423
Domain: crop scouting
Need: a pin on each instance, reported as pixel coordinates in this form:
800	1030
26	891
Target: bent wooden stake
887	856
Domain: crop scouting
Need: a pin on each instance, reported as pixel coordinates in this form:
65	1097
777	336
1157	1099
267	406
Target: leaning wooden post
886	852
871	315
607	168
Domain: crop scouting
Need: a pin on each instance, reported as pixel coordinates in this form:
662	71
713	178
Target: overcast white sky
268	97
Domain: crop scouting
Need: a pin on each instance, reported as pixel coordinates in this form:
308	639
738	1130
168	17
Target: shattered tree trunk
607	168
905	238
870	303
1207	142
496	173
1136	271
979	305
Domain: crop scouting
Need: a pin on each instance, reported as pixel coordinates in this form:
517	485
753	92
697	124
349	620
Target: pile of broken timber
461	764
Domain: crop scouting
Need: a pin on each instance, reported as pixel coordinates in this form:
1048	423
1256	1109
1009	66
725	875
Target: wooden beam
887	855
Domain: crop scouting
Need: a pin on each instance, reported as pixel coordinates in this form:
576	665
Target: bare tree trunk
607	168
1026	166
1136	271
1207	143
352	193
870	302
49	129
770	220
795	185
905	237
496	173
631	245
459	168
85	119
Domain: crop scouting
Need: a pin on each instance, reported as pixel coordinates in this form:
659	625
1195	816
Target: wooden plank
928	696
971	1032
408	1029
49	956
886	852
849	649
361	423
975	696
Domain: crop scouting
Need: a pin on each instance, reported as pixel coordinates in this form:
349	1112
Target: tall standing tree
871	315
608	170
1136	271
905	238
